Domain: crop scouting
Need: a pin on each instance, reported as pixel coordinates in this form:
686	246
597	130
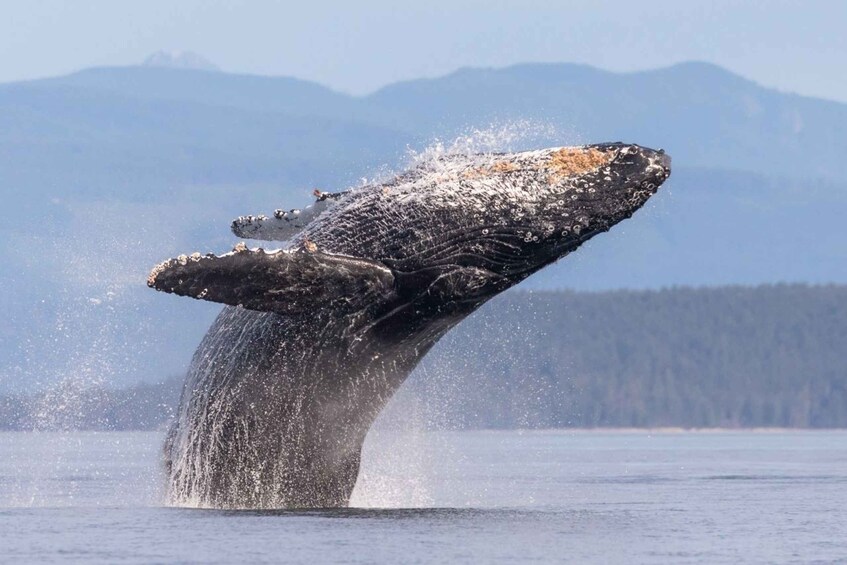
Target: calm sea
476	497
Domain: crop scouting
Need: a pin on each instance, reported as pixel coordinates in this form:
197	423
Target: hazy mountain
290	96
704	115
74	141
107	171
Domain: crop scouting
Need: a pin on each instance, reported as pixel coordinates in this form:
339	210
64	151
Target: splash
496	138
406	455
397	460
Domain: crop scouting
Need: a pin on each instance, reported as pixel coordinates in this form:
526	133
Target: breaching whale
317	336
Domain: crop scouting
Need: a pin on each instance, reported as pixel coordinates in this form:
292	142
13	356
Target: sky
357	47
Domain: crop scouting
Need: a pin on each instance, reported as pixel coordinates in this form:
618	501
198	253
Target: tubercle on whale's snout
631	161
663	160
655	164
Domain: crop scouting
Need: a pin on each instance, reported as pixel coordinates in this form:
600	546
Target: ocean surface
475	497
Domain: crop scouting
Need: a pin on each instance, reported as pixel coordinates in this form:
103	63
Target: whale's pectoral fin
284	224
285	282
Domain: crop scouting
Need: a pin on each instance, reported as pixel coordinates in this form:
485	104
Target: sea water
476	497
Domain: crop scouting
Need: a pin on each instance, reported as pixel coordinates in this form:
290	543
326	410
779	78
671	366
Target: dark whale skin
317	337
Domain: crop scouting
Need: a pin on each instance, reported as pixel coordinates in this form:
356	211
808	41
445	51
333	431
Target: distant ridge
179	60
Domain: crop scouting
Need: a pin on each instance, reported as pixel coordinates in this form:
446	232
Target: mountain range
106	171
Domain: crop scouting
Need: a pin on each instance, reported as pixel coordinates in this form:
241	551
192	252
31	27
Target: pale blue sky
360	46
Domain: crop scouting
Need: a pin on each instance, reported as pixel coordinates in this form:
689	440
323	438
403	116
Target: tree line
767	356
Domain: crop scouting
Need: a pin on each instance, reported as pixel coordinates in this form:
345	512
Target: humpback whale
318	334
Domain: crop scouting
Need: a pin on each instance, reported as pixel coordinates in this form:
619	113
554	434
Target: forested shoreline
767	356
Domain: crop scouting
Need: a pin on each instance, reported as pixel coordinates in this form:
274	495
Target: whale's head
575	193
508	215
